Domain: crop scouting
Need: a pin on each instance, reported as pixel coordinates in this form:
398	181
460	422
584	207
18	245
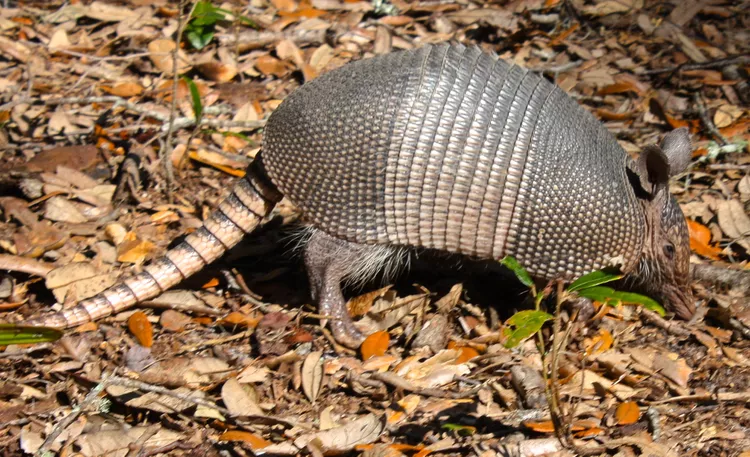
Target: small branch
711	64
707	122
738	280
398	382
25	265
166	152
672	327
92	396
740	397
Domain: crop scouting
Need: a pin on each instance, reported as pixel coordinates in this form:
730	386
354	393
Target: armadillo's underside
449	148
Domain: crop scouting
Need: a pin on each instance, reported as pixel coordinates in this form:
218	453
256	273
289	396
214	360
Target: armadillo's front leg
328	261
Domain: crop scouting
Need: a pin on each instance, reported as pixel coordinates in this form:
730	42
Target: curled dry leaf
140	327
312	375
240	400
449	300
361	305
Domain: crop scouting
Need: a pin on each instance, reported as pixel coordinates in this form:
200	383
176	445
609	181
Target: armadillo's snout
680	301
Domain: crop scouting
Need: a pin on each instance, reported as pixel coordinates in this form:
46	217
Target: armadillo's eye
669	250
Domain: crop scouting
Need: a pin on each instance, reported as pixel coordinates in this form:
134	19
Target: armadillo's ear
676	146
653	169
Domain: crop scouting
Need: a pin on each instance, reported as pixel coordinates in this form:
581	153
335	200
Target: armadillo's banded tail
252	198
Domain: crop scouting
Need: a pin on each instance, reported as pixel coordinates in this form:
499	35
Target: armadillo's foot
328	261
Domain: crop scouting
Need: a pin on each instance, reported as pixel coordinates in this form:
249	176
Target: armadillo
444	147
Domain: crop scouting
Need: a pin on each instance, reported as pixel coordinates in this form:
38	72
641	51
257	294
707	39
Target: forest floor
104	165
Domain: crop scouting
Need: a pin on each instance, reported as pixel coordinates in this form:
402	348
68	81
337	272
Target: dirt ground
110	157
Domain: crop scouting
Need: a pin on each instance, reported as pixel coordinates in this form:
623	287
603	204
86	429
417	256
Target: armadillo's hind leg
330	261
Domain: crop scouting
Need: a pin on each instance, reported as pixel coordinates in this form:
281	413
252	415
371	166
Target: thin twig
166	152
74	413
711	64
25	265
707	122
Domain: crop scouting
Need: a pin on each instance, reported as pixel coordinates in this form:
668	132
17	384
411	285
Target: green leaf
461	430
198	37
196	96
244	19
205	14
512	264
613	297
595	278
526	323
25	334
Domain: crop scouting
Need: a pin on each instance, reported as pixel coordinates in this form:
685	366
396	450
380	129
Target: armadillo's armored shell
450	148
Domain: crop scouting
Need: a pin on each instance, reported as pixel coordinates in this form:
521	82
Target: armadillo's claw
327	260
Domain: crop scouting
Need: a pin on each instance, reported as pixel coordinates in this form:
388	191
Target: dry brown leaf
284	5
75	157
676	370
361	304
446	303
252	374
312	375
111	442
603	8
14	49
58	40
375	345
627	413
140	327
734	222
79	279
271	66
162	51
321	57
726	115
174	321
107	12
134	251
217	71
239	399
238	319
342	439
503	19
60	209
125	89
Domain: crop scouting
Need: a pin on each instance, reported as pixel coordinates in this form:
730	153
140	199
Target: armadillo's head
663	271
